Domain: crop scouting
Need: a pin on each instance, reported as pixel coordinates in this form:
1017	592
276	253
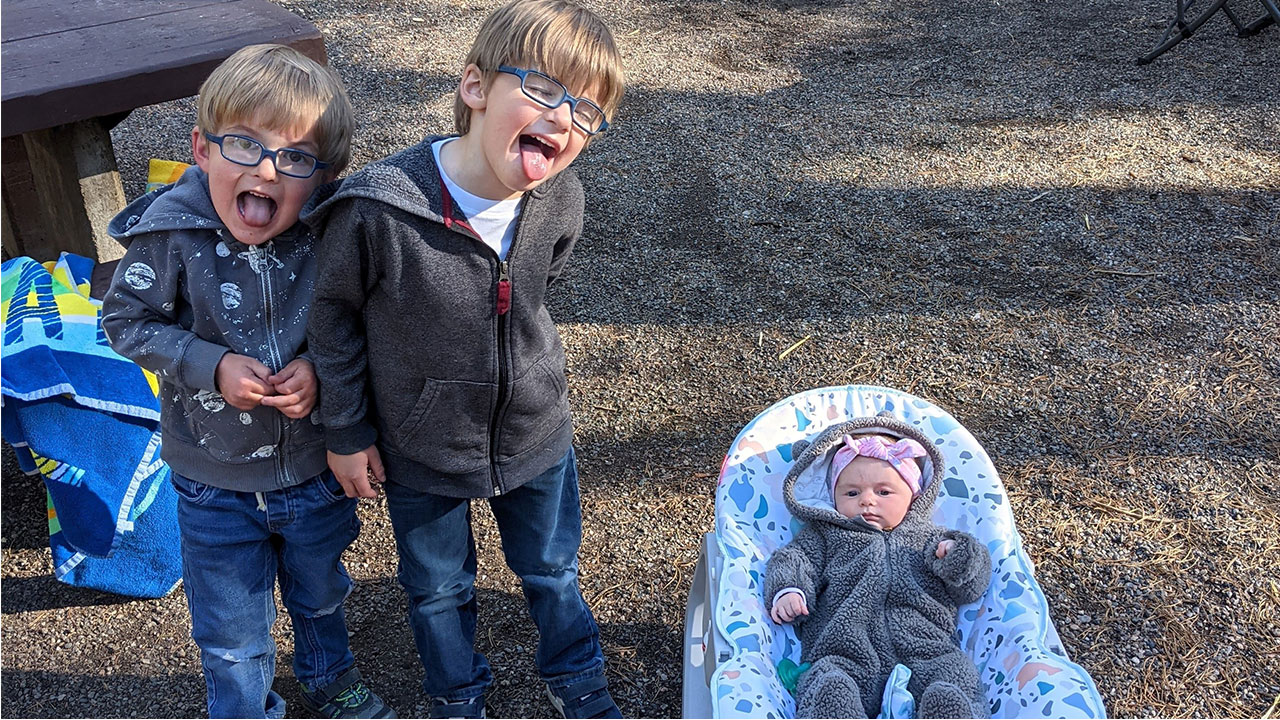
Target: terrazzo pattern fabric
1004	632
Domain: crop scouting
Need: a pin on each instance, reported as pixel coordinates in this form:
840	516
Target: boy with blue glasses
212	296
440	368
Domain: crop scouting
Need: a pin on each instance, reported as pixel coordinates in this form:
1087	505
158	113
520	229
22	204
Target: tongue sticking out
257	211
533	159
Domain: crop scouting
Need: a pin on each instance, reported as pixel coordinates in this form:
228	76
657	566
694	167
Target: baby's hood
807	490
183	205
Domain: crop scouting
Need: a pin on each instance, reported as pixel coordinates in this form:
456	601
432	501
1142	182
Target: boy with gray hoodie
441	370
883	582
212	296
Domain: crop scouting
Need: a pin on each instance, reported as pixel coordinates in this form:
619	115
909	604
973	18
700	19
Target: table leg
61	188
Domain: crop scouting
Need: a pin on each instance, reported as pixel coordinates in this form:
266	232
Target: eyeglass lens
248	151
550	93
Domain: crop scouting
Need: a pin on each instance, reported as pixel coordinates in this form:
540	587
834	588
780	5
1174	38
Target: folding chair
1189	19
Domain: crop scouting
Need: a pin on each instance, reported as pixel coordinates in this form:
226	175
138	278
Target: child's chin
259	237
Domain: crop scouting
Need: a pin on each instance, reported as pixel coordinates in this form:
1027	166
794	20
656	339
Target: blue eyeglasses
548	92
243	150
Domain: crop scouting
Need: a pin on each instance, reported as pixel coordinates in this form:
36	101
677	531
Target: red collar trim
448	206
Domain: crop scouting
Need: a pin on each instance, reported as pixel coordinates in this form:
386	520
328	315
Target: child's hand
295	388
352	471
242	381
944	547
788	608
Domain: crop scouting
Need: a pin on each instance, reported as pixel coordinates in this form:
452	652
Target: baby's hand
242	381
788	608
944	547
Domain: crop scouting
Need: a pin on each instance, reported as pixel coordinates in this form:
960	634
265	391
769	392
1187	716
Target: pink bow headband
899	454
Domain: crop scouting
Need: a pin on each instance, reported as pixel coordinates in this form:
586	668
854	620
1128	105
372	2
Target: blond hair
564	40
283	89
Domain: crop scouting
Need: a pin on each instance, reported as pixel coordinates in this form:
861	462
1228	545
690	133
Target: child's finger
285	374
375	465
348	487
244	400
282	401
251	384
258	369
296	412
363	489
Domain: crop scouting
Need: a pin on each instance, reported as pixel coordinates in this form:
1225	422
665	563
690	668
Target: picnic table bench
73	69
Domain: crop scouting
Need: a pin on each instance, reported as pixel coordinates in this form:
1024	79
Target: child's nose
267	169
561	115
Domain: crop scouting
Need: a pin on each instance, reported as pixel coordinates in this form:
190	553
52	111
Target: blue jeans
234	547
541	527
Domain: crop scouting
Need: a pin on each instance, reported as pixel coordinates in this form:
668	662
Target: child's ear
472	88
200	148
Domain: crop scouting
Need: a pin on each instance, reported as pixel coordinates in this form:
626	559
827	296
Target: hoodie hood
408	180
807	491
183	205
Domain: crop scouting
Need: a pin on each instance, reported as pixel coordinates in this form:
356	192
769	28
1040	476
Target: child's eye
294	156
241	143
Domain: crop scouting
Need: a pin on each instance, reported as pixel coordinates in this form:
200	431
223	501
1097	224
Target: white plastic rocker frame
730	649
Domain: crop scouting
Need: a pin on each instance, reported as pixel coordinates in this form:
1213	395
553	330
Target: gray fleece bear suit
877	598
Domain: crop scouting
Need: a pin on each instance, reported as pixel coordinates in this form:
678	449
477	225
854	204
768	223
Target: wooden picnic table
72	69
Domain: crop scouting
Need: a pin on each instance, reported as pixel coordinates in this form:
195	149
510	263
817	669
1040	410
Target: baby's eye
886	492
852	493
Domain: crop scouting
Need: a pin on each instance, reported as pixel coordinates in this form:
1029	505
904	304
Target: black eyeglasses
243	150
548	92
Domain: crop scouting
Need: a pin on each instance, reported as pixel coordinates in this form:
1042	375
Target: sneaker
469	708
346	697
587	699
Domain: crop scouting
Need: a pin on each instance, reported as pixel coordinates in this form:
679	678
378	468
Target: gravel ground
983	202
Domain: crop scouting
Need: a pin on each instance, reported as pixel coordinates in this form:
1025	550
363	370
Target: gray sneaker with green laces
346	697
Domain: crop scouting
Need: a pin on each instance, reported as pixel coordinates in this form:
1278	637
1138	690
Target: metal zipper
264	283
503	308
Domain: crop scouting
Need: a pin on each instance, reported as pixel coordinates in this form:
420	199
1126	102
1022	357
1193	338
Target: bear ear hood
806	488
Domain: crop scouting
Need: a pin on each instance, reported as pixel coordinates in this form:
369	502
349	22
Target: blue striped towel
87	421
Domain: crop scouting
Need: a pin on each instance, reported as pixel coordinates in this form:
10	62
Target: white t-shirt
493	220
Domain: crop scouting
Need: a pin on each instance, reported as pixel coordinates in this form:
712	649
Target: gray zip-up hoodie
429	345
877	598
185	293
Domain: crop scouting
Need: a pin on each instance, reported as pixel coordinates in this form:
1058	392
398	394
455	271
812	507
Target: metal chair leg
1271	17
1184	28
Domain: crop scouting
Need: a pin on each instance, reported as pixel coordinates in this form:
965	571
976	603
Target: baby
882	581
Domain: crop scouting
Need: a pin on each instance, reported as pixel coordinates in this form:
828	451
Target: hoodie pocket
539	406
447	428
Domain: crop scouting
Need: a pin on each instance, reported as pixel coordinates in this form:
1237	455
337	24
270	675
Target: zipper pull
504	288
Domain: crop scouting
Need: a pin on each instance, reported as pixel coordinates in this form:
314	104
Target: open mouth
256	209
536	155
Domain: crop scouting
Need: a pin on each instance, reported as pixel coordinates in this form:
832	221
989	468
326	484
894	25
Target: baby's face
872	490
